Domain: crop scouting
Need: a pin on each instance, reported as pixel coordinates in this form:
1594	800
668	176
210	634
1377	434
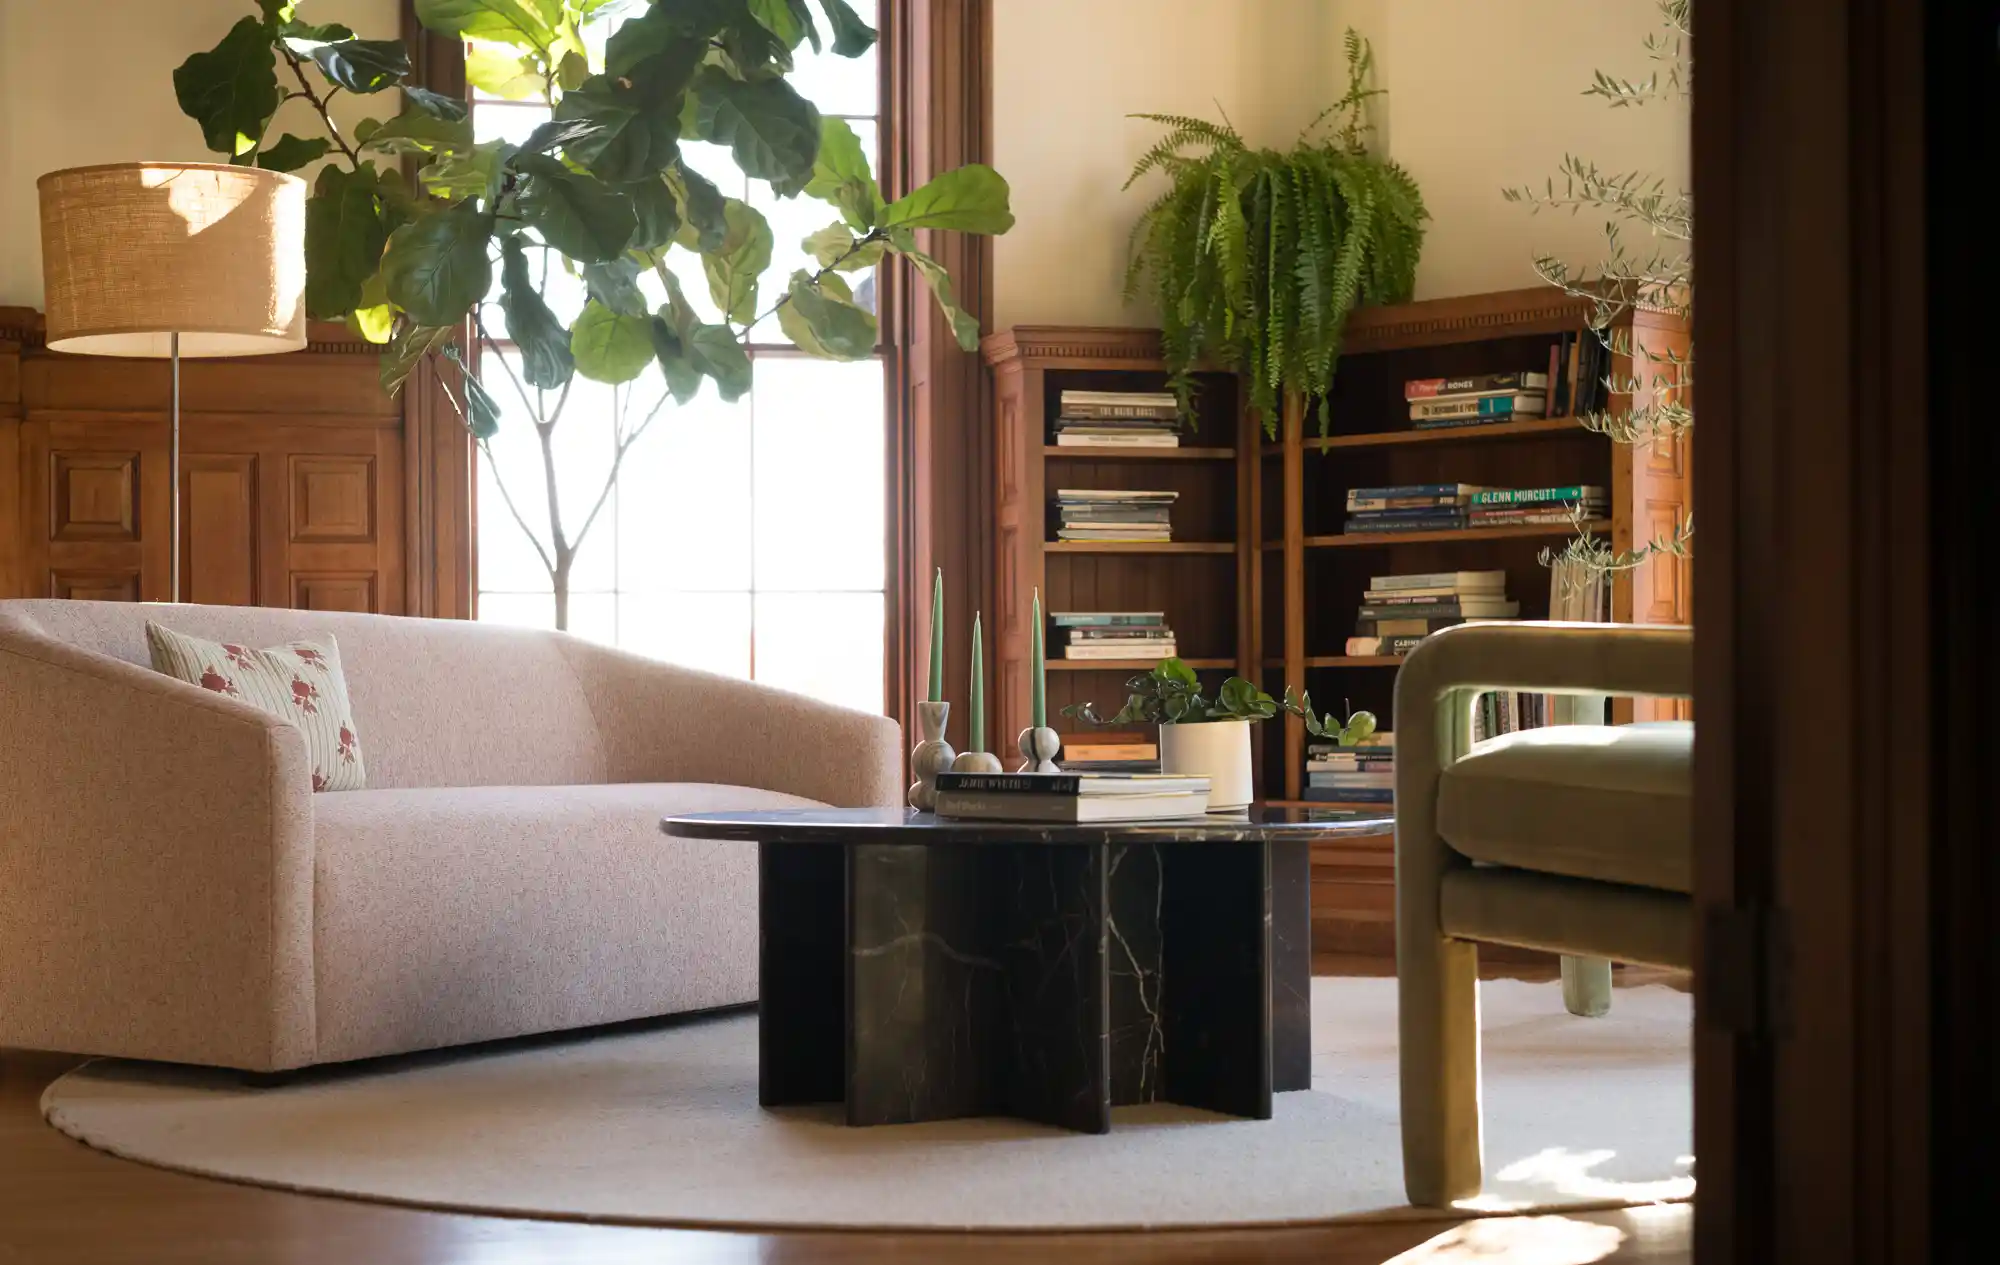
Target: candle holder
1040	745
930	757
977	762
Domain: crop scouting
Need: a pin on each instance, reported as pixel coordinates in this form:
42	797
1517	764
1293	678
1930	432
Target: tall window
744	538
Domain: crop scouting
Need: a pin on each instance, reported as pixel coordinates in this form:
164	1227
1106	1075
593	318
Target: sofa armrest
155	865
662	723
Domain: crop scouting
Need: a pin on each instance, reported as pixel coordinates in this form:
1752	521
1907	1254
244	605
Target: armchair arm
662	723
1437	684
156	862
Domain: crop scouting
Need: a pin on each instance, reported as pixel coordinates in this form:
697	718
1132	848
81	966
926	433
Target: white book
1136	439
1121	650
1454	581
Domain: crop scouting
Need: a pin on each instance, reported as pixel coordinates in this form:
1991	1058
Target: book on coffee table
1070	797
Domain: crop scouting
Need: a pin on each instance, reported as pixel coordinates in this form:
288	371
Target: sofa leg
1586	986
1438	1006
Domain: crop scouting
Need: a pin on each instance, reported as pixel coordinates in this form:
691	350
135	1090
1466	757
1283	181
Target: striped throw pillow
300	681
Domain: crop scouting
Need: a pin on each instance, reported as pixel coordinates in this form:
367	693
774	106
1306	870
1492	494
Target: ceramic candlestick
931	756
1040	745
977	762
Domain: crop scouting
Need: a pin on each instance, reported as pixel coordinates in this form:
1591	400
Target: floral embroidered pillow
299	681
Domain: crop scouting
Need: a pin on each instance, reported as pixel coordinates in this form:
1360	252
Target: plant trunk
559	580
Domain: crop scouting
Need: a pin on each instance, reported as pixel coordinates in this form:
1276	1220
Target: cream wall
91	81
1482	94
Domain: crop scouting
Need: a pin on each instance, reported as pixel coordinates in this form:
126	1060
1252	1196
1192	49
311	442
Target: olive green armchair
1575	839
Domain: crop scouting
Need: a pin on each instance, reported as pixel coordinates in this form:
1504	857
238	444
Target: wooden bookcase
1202	579
1260	581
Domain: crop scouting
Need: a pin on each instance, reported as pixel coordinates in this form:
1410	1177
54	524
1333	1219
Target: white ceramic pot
1218	748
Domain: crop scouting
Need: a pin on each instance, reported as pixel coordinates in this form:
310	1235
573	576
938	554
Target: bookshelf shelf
1138	546
1365	540
1444	435
1130	665
1057	453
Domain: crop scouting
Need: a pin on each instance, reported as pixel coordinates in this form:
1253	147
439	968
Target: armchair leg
1586	986
1438	991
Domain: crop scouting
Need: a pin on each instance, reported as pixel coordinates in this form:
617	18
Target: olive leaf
231	90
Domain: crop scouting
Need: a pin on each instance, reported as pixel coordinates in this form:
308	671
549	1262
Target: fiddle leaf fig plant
412	221
1170	694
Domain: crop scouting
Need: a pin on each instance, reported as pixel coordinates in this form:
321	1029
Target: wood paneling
293	479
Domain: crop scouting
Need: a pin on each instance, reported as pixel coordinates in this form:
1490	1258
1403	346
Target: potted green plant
1200	735
1256	257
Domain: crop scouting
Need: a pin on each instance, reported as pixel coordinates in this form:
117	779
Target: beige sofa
171	888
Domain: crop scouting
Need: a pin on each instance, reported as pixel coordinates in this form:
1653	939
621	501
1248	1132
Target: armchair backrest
437	702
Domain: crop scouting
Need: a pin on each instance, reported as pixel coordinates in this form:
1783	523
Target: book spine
1355	503
1554	378
1010	783
1430	610
1448	423
1427	388
1414	489
1526	496
1488	406
1118	413
1565	378
1107	621
1428	513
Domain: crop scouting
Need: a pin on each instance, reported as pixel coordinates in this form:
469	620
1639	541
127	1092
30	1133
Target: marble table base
1045	981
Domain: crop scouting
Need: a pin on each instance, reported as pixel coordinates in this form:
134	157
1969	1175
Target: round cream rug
662	1126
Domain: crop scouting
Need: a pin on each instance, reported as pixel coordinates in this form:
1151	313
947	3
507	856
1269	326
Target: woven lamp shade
135	252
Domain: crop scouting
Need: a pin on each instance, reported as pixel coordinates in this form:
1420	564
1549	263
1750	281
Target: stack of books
1113	515
1070	797
1110	753
1111	635
1398	611
1352	775
1409	507
1118	419
1508	507
1476	400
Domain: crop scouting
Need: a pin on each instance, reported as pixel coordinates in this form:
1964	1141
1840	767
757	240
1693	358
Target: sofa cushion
300	681
466	914
1613	803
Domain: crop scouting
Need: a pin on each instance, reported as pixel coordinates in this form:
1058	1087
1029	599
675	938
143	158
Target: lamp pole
174	474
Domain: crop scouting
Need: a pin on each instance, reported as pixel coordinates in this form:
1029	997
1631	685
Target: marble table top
1257	824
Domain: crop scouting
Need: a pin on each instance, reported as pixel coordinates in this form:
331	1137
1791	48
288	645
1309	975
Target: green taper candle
976	713
937	637
1038	710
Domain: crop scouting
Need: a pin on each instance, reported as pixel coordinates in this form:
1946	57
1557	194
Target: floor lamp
166	260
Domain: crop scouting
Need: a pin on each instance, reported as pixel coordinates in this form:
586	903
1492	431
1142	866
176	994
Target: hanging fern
1257	258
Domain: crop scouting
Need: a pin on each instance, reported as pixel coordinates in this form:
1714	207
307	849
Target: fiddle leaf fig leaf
521	23
841	175
546	361
374	318
964	325
610	347
345	234
232	89
482	411
502	71
734	267
361	65
616	286
789	20
475	175
658	214
682	377
851	36
436	104
420	132
575	213
773	132
407	350
436	267
825	321
632	129
289	152
701	206
970	199
836	247
715	351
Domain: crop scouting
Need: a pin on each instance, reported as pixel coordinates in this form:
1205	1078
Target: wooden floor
62	1203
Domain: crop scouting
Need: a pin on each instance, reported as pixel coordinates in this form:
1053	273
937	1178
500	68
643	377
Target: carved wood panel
292	479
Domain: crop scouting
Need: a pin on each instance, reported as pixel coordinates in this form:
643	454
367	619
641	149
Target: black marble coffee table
919	968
